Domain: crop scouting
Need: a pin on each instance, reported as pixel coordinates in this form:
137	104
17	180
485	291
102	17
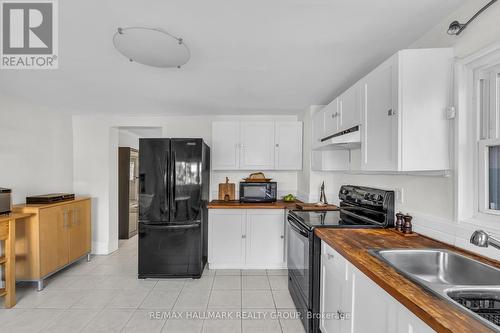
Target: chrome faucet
482	239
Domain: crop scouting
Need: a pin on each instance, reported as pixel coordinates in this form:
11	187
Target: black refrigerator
174	176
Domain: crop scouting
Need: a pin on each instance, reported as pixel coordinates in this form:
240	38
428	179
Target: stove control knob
380	197
344	191
367	196
373	197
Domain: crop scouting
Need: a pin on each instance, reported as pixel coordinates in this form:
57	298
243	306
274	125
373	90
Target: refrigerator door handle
173	227
166	182
172	186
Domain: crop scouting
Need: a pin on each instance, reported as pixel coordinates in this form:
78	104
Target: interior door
257	150
79	231
288	142
154	180
265	242
225	145
380	138
54	238
185	173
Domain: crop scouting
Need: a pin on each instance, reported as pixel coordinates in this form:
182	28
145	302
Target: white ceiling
248	57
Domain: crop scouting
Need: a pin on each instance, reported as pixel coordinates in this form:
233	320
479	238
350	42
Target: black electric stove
360	207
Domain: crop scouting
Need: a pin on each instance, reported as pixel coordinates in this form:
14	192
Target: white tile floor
104	295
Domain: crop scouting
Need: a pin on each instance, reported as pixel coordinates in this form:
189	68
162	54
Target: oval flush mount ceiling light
151	46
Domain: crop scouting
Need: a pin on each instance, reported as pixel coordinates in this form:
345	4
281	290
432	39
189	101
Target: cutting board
311	206
227	191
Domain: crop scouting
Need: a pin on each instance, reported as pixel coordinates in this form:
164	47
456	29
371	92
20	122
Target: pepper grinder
399	221
407	226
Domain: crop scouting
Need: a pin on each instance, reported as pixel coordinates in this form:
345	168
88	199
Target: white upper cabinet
225	145
380	135
288	145
405	127
332	117
257	145
401	109
350	108
318	127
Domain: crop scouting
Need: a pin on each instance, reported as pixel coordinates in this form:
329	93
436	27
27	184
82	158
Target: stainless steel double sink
468	283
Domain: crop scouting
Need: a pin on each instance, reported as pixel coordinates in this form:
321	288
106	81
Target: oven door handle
365	219
300	231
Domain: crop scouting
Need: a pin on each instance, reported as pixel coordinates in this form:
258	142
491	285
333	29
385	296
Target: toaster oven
5	200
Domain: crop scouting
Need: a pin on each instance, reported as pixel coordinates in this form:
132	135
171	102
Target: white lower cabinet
352	302
226	232
246	238
265	241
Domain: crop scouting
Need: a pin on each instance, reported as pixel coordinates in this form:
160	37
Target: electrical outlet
400	195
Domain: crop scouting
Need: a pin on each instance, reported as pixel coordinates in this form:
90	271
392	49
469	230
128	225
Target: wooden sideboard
55	236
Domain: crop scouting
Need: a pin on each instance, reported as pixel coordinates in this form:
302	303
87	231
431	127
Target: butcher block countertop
235	204
439	314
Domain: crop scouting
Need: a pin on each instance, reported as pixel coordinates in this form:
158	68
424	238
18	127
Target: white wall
35	149
96	140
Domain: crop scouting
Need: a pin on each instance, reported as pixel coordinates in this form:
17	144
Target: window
488	107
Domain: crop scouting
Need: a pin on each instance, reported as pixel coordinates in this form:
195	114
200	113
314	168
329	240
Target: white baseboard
101	248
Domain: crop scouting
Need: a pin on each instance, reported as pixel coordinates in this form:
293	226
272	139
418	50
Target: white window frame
471	152
483	176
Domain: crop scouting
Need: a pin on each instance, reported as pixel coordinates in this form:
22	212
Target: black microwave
258	192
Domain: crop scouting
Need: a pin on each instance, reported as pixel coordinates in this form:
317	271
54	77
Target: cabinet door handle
391	112
277	145
243	236
282	237
329	256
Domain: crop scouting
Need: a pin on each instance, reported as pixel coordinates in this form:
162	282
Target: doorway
128	181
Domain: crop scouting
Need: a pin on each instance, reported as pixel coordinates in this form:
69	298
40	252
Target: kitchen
389	124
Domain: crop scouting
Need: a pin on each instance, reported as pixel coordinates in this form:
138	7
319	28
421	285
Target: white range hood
348	139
